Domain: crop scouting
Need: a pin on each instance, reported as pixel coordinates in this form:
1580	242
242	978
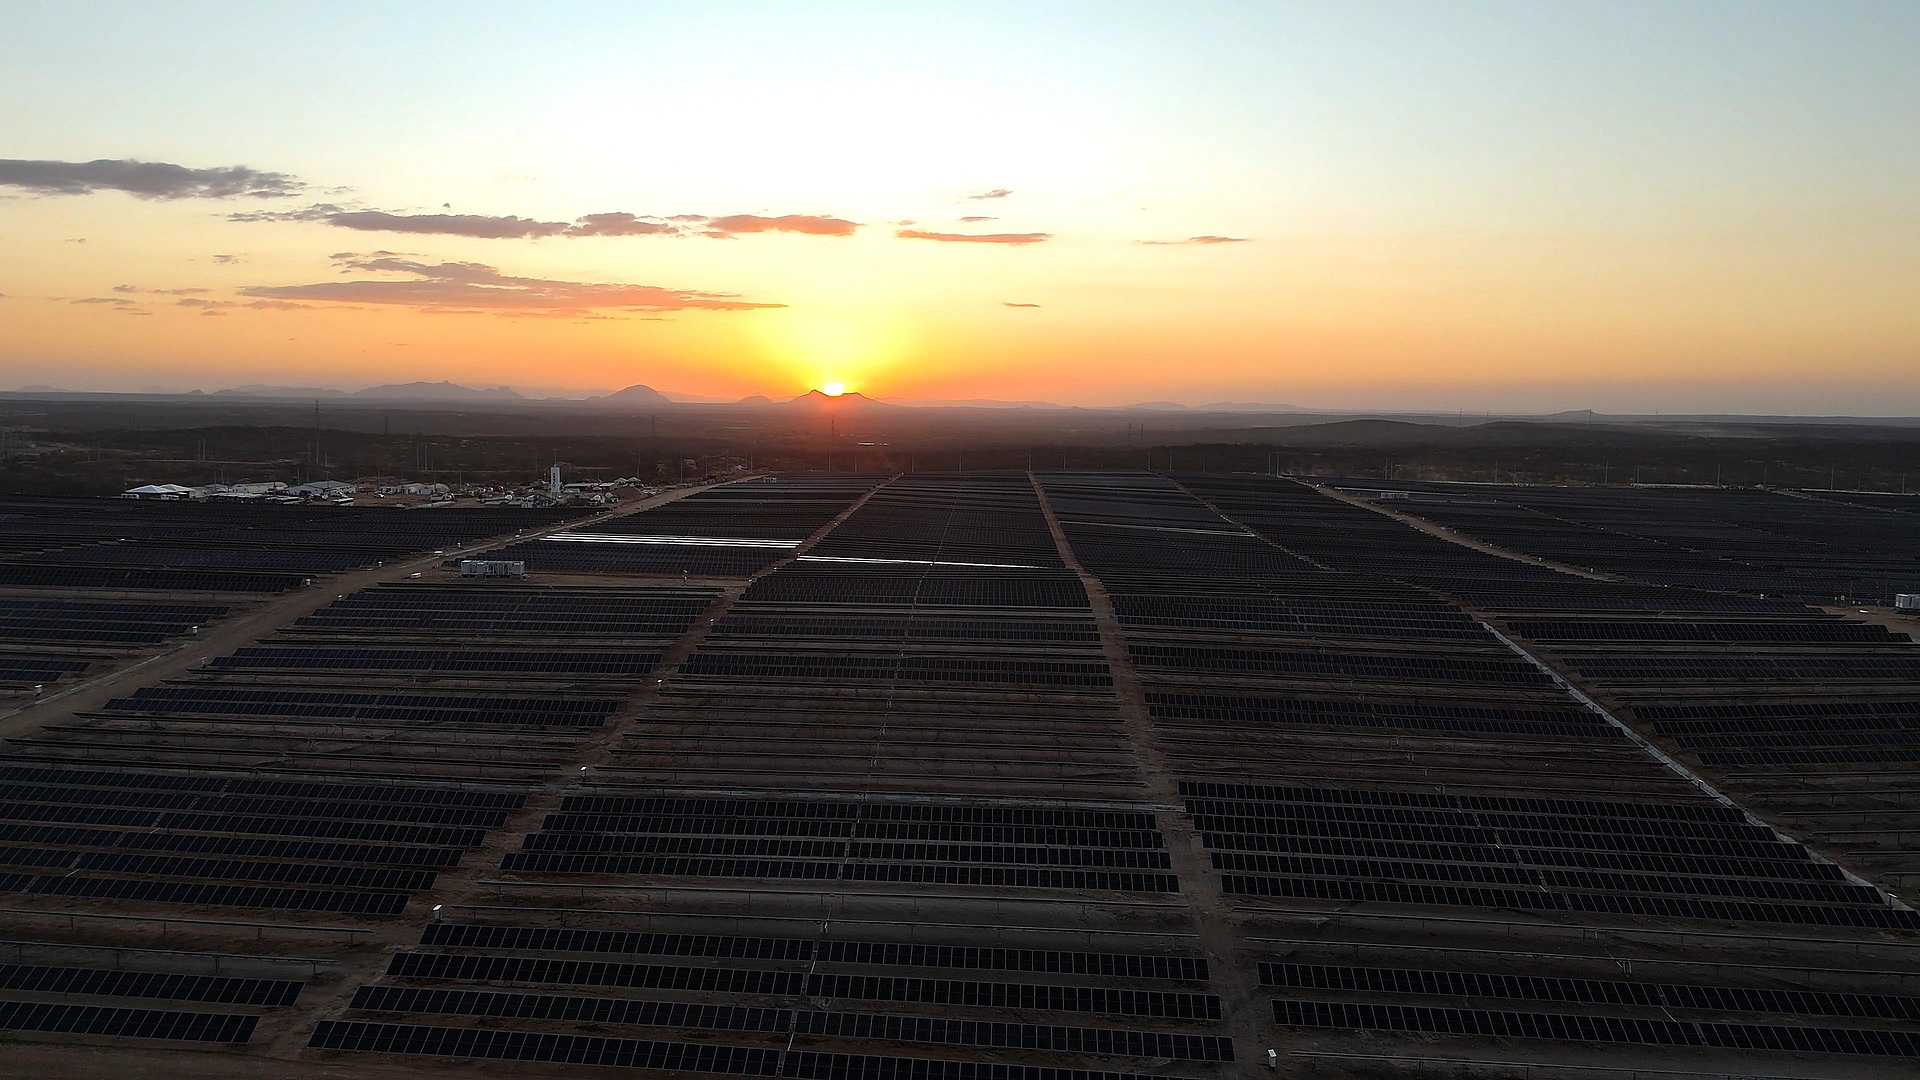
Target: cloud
975	238
228	260
1009	303
996	193
979	217
513	227
159	292
116	301
809	224
145	179
1199	240
476	285
479	226
617	225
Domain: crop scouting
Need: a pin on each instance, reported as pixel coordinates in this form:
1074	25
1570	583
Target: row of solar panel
1503	853
390	879
1282	816
755	621
1831	892
412	599
168	986
849	850
587	557
1698	668
179	892
803	950
876	810
419	707
54	608
462	836
1392	892
630	663
1166	1004
1231	830
899	873
37	668
249	784
678	1057
174	556
724	665
439	858
1855	710
1574	725
1809	757
291	806
101	636
1588	991
1815	728
125	1023
1285	663
891	1028
1801	631
940	587
1697	810
1600	1029
838	832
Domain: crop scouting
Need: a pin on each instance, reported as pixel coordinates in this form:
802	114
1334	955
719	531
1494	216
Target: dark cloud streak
477	285
145	179
1198	240
512	227
975	238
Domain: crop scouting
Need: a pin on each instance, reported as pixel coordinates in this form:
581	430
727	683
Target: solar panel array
1362	758
973	775
733	531
910	721
85	584
1809	718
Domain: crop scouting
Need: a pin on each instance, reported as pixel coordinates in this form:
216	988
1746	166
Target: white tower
553	481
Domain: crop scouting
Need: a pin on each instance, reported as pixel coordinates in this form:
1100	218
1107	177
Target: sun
833	389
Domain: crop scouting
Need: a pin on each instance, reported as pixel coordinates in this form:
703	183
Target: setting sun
833	389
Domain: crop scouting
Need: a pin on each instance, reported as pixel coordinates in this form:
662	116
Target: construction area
965	776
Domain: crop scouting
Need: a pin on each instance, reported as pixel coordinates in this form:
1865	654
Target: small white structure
158	491
1907	601
553	482
515	568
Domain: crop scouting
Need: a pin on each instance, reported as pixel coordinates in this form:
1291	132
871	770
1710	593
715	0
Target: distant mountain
850	400
1246	406
757	399
695	399
440	391
258	390
637	394
968	403
1157	406
38	389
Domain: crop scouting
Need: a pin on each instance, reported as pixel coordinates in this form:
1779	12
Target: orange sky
1366	207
